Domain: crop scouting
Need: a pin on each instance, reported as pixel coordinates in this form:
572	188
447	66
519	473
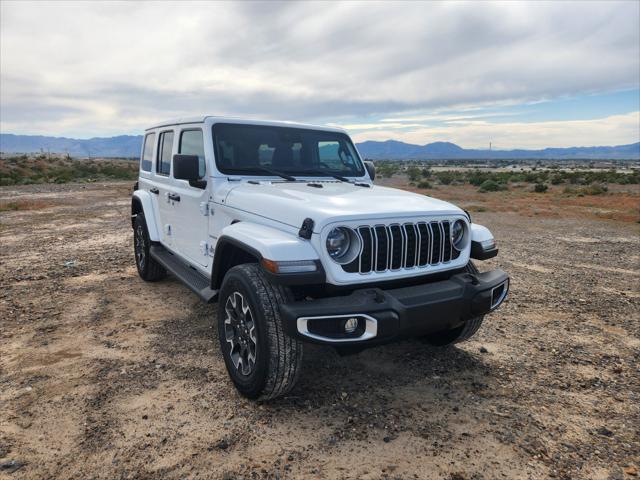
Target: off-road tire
278	357
148	268
458	334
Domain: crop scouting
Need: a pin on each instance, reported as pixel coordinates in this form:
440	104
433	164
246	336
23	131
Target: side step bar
193	279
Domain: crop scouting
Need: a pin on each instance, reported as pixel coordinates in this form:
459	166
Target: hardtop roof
211	119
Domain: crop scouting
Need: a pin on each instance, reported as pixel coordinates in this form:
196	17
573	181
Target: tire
459	334
262	360
148	269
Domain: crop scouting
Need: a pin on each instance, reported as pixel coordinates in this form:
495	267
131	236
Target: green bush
491	186
540	188
425	184
414	174
557	180
446	178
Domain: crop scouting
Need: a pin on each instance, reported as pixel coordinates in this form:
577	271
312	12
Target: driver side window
192	143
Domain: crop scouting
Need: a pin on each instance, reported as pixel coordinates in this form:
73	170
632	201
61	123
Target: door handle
154	190
174	196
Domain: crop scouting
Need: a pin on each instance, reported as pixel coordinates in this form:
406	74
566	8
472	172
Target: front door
192	210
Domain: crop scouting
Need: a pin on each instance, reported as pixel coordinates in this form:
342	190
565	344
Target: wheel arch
141	203
248	242
229	253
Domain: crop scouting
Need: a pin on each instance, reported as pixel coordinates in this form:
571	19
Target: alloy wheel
139	246
240	333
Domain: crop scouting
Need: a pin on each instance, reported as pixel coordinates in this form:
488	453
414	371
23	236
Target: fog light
350	325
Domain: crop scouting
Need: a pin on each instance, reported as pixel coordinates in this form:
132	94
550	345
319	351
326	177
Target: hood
292	202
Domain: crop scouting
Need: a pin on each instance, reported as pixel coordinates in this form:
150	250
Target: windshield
253	149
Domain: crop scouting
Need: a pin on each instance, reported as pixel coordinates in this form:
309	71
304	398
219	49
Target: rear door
192	211
162	184
148	180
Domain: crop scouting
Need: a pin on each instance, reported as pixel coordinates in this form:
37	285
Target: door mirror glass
371	169
186	167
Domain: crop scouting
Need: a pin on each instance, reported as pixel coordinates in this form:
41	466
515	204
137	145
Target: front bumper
383	316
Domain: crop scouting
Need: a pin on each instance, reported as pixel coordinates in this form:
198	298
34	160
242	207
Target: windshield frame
360	167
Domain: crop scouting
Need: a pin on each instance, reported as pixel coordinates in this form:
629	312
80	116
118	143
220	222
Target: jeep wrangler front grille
401	246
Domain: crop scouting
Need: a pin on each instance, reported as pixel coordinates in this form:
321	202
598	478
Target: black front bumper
396	313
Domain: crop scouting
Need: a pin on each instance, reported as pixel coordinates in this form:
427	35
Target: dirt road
105	376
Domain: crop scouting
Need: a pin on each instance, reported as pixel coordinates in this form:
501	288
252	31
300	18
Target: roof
211	119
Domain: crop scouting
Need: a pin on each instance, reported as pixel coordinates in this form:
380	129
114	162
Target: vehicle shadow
402	374
408	364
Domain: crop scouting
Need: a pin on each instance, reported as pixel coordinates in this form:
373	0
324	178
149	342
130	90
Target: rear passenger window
163	166
192	143
147	152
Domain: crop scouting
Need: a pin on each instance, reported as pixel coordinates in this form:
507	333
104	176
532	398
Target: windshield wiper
267	170
324	173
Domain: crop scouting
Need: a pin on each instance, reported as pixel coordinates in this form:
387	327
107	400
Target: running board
188	275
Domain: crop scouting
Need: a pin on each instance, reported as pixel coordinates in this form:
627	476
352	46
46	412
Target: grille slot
400	246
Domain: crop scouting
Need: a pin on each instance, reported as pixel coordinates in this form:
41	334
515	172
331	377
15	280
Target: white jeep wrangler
282	224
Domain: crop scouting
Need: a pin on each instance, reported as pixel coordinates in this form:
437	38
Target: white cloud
612	130
89	68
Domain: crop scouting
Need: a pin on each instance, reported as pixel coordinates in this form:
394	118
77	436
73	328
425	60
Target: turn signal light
289	266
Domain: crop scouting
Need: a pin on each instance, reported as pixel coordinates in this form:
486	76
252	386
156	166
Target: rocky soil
105	376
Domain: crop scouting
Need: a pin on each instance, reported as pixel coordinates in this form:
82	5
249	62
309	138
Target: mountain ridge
129	146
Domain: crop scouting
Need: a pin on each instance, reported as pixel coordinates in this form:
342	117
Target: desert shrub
594	189
426	172
540	188
446	177
557	179
477	178
425	184
414	174
387	170
491	186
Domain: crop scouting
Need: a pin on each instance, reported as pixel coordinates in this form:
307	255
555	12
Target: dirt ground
105	376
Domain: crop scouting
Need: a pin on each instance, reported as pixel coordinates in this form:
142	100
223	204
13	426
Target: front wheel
262	360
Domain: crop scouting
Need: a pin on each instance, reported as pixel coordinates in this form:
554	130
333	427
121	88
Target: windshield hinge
306	230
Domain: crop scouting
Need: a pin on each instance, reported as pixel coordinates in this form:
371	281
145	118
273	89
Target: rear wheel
148	268
263	362
458	334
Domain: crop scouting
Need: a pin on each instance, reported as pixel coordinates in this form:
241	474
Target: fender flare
261	242
141	199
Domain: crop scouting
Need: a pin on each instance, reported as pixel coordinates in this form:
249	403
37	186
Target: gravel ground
105	376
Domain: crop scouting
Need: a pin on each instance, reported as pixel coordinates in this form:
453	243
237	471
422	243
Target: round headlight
457	234
338	242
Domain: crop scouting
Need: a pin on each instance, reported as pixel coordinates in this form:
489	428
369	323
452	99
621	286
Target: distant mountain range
120	146
129	146
392	149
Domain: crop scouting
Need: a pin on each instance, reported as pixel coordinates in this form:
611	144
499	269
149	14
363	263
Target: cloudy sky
515	74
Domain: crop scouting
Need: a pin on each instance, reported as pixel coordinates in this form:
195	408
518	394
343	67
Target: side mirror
186	167
371	169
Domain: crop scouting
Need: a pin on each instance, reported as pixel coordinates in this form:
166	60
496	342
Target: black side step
193	279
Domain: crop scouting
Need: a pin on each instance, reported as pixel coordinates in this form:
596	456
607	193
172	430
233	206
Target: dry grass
19	205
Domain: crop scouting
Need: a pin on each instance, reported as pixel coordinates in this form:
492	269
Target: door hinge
206	209
206	249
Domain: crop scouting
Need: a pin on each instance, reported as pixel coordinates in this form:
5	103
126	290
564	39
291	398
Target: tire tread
153	271
285	353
